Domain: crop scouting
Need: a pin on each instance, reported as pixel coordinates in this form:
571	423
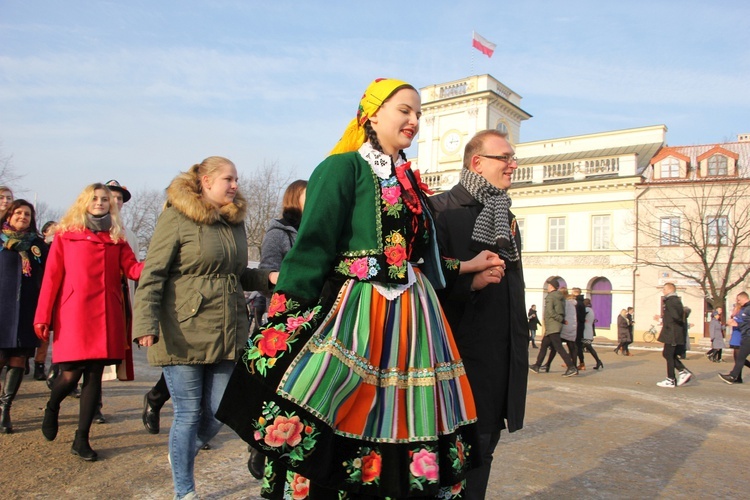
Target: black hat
113	185
554	282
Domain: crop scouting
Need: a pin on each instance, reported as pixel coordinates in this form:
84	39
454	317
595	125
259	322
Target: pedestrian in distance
588	333
672	335
554	316
716	333
534	323
742	321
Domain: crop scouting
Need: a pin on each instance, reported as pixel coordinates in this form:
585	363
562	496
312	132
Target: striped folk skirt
374	404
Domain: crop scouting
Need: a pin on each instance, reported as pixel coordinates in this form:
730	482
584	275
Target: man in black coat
488	320
672	335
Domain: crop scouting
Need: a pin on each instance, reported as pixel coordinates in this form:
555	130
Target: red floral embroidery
395	255
277	305
300	486
272	341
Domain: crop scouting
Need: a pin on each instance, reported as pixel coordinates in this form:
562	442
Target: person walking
580	325
623	333
23	255
190	305
534	323
81	300
554	316
355	387
588	333
742	321
672	335
488	323
716	333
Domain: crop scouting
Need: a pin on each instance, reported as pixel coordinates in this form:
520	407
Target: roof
740	151
644	152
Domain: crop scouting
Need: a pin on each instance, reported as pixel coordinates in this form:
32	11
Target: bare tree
8	173
699	230
44	213
140	214
263	188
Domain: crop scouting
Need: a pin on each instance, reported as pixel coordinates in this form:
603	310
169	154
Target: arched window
601	302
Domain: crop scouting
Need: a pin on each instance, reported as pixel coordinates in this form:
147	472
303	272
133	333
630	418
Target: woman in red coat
82	298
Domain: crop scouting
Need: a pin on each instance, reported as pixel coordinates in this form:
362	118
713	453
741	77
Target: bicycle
650	334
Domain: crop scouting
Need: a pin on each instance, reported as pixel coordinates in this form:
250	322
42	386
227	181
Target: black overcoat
19	295
490	325
673	324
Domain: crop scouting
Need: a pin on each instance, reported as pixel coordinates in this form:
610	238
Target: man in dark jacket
672	334
580	325
488	320
743	323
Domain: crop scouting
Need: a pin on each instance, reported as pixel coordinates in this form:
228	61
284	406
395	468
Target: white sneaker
667	382
683	377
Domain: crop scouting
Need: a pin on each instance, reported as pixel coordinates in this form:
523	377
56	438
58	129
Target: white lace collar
380	162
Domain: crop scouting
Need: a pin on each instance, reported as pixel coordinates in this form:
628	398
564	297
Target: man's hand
146	340
484	260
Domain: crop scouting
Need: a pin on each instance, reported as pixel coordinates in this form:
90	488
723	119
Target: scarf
492	229
102	223
20	241
377	92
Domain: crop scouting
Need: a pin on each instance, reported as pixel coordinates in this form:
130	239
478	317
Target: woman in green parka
190	306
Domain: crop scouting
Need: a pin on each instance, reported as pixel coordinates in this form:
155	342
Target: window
600	231
670	231
557	233
717	230
520	223
717	165
670	167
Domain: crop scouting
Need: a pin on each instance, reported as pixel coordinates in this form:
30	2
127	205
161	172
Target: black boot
12	383
82	448
256	463
39	371
49	424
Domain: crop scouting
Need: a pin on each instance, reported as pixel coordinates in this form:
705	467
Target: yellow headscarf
377	92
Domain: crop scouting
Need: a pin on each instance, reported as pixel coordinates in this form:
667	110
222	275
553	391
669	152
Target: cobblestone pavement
605	434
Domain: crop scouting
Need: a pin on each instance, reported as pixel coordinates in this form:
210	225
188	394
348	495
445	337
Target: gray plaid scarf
492	227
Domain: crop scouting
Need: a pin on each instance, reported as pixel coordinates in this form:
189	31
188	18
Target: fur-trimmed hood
183	195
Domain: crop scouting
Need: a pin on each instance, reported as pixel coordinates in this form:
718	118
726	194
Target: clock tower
452	113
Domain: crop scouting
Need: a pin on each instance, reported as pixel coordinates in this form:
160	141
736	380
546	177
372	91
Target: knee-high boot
12	383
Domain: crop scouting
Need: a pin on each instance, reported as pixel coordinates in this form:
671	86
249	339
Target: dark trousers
673	362
585	346
740	359
477	479
554	340
159	394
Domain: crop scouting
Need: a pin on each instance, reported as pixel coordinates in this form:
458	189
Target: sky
140	90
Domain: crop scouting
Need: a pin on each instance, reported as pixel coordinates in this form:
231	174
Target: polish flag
482	44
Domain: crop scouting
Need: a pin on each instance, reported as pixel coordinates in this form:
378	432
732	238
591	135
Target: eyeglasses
506	158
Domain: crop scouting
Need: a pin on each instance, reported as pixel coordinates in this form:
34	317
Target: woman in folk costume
355	388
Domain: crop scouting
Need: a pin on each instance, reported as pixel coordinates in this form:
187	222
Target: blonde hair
74	219
208	167
6	188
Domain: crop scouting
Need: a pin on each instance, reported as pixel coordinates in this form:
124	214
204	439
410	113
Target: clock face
451	142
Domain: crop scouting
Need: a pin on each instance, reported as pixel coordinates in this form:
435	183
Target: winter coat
534	322
716	333
190	296
495	353
569	328
588	326
554	312
672	317
81	296
623	329
580	317
19	295
277	241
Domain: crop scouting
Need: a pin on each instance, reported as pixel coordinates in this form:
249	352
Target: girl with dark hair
22	257
354	388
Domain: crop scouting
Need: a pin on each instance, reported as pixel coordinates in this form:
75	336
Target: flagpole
472	57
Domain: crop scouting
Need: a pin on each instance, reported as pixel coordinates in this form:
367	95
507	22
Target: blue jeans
196	393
